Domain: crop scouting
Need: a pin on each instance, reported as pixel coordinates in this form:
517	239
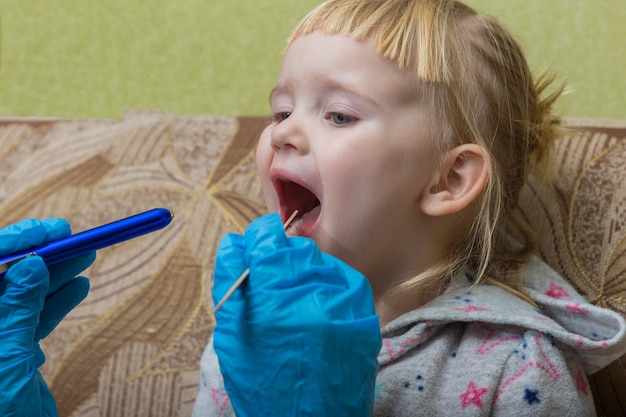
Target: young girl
402	133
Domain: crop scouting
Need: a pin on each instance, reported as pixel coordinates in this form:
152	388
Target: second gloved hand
300	337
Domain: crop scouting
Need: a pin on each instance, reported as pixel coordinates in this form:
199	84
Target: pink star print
220	398
576	309
407	344
544	364
581	383
473	396
556	292
471	308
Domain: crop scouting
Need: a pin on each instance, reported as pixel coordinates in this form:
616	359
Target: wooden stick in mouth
245	273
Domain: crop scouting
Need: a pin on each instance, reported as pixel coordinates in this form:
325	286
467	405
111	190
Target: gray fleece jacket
481	351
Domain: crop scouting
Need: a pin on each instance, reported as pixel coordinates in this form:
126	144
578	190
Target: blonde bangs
421	49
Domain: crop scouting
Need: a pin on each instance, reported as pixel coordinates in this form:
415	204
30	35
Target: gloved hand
33	300
300	336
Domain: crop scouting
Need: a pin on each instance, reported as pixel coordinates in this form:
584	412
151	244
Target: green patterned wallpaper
95	58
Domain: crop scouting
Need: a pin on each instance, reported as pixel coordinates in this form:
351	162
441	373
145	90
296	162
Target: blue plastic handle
93	239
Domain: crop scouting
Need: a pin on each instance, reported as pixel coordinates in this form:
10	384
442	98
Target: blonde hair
476	77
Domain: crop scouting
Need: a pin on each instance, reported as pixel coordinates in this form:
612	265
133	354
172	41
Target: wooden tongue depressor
245	273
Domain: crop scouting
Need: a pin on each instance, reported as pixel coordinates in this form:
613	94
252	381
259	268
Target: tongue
302	226
309	218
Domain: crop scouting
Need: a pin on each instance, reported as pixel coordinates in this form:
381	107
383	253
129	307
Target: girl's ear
462	178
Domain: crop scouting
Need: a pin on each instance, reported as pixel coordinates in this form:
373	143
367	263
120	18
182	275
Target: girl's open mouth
293	196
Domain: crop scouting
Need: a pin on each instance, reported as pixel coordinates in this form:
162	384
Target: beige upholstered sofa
133	347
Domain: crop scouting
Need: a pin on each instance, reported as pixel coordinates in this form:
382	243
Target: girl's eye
340	118
279	117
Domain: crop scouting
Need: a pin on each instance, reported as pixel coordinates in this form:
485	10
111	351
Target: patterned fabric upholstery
133	347
582	222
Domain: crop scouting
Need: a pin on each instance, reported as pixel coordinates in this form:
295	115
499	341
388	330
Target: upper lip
291	193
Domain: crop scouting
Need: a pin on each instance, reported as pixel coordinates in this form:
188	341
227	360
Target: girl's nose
288	134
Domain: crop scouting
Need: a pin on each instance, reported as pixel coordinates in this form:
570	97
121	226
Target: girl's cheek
271	200
264	152
264	157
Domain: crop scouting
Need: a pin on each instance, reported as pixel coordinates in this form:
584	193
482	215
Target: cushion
581	217
133	347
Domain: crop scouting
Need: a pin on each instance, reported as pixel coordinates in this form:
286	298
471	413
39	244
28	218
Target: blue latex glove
33	300
300	336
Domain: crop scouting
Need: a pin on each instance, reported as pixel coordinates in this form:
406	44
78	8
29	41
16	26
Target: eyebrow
330	84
